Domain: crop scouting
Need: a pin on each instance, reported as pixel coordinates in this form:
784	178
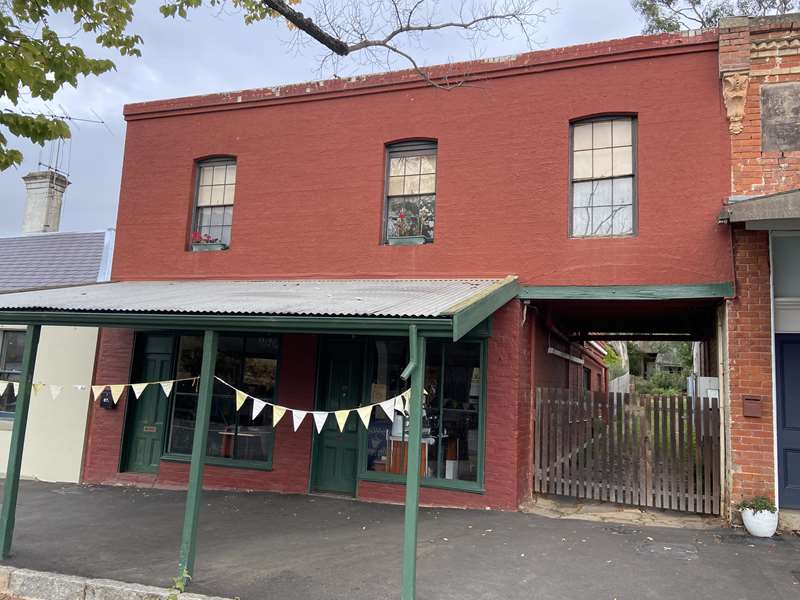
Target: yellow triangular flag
3	387
55	390
277	414
341	418
97	390
241	398
365	412
138	388
37	387
116	391
167	387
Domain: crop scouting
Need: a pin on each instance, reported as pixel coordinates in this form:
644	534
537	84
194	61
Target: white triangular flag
258	406
319	419
116	391
3	387
297	418
341	418
406	400
55	390
399	405
241	398
37	387
388	408
97	390
15	385
277	414
138	388
365	412
167	387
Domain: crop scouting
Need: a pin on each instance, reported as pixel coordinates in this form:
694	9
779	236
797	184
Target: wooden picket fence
662	452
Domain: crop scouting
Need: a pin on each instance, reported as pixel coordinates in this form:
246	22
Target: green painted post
417	358
199	445
11	488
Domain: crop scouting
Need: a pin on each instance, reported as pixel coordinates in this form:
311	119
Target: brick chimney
45	190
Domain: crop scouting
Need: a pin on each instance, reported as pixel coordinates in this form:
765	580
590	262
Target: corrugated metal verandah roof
462	302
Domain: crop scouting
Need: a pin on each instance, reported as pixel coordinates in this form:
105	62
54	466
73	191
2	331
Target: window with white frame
213	212
410	207
12	343
602	180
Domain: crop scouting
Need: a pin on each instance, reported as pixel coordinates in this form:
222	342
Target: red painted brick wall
750	368
506	466
503	156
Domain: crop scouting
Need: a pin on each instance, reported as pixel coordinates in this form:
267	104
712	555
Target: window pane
225	235
622	132
623	220
601	221
412	165
217	195
580	222
403	217
582	165
427	184
623	161
204	195
395	186
228	217
204	217
582	137
386	447
582	193
396	166
427	215
13	346
601	165
601	192
411	186
217	215
206	175
623	191
601	134
219	174
228	198
428	164
230	176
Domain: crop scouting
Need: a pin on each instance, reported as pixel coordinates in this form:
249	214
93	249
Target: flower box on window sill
209	247
408	240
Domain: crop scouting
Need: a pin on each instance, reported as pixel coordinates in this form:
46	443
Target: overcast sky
215	52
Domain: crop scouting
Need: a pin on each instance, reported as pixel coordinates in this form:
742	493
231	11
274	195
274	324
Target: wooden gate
639	450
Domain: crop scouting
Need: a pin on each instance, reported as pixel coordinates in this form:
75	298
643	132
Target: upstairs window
213	214
410	207
603	197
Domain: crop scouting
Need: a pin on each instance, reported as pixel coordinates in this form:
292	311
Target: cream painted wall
57	428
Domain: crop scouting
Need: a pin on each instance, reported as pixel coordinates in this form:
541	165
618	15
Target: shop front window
250	363
451	418
12	343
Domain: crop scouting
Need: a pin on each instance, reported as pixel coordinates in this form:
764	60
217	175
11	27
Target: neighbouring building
45	257
759	66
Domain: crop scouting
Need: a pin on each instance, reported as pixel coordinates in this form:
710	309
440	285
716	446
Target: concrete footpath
269	546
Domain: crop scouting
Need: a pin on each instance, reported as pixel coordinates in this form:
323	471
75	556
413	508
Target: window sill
445	484
215	461
208	247
412	240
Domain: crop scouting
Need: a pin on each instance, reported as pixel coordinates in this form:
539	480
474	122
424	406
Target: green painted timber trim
471	313
217	461
225	322
11	487
627	292
199	444
472	487
417	358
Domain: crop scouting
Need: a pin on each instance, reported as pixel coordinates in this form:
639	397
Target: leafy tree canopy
676	15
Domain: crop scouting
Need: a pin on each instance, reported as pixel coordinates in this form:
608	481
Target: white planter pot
760	524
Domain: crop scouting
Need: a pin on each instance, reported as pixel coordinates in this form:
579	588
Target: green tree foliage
675	15
613	361
36	60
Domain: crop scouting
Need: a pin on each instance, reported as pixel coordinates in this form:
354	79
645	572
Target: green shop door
147	415
341	371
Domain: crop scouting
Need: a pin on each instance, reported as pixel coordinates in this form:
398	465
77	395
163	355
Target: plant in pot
760	516
202	242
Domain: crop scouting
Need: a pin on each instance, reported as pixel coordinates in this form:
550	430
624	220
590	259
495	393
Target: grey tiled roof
50	259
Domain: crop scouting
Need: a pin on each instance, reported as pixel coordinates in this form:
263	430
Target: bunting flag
15	385
297	418
116	391
365	412
277	414
258	406
37	387
399	405
167	387
388	408
80	387
55	390
97	390
319	419
241	398
3	387
138	388
406	396
341	418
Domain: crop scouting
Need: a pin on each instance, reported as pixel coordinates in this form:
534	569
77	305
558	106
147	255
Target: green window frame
409	208
476	486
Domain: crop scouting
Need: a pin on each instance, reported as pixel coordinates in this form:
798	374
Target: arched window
603	191
213	210
410	205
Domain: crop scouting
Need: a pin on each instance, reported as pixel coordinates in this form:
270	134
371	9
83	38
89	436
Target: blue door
787	362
